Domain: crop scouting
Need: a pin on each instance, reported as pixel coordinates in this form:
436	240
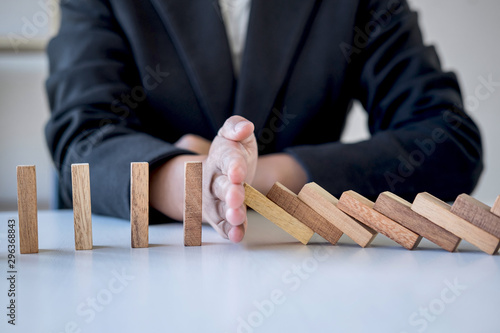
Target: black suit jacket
128	78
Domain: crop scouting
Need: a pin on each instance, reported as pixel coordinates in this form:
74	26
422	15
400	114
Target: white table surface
270	282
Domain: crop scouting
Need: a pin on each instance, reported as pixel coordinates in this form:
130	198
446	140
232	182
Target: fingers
237	128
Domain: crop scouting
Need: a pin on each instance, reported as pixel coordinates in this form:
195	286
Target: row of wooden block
312	210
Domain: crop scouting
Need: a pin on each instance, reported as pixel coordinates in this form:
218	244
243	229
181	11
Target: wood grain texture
495	209
27	209
193	182
399	210
477	213
361	208
139	204
274	213
325	205
291	203
440	213
82	209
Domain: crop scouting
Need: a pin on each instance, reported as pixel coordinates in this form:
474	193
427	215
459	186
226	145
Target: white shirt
235	14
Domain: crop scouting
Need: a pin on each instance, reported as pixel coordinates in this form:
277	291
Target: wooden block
82	210
477	213
139	204
496	207
325	205
440	213
399	210
274	213
361	209
291	203
193	181
27	209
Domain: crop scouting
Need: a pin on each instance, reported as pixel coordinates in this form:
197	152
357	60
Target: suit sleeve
421	137
91	70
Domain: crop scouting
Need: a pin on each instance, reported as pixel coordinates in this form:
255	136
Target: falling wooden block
193	179
290	202
139	204
440	213
325	205
399	210
361	209
82	210
477	213
274	213
496	207
27	208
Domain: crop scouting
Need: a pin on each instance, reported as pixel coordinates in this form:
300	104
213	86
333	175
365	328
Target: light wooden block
291	203
274	213
139	204
477	213
82	209
193	182
325	205
440	213
27	209
496	207
361	208
399	210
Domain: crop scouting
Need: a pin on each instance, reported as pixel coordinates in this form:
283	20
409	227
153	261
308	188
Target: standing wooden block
193	181
291	203
325	205
399	210
496	207
361	209
440	213
82	210
477	213
274	213
139	204
27	208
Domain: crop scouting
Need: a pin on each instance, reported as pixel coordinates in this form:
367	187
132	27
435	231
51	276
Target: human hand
194	143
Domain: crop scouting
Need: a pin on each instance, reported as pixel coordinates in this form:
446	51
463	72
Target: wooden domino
325	205
27	208
361	208
477	213
399	210
139	204
440	213
274	213
192	219
496	207
82	210
290	202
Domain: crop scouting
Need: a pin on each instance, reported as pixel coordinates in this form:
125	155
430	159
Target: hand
232	160
194	143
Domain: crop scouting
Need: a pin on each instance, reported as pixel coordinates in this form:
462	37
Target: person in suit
259	91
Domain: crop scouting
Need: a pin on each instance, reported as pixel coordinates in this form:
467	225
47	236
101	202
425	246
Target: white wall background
466	33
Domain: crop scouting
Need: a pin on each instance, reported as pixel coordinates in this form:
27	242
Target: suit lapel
198	32
276	29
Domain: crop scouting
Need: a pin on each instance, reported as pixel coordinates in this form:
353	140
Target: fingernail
239	126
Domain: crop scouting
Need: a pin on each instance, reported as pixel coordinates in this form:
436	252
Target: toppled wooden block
325	205
27	209
274	213
477	213
496	207
399	210
361	209
290	202
139	204
193	183
440	213
82	210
